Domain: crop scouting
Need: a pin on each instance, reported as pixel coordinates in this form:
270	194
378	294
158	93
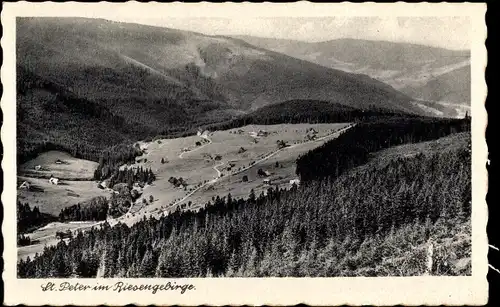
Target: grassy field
68	168
198	164
51	198
279	176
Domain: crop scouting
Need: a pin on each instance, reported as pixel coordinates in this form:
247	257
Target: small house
267	181
312	131
54	180
59	161
25	185
38	167
295	181
263	173
104	183
262	133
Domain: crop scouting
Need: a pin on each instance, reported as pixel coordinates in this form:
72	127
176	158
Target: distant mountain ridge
422	72
152	80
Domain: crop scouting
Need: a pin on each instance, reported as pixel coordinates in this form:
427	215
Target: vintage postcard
257	154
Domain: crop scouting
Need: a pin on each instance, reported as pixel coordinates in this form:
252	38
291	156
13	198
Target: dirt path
217	170
197	148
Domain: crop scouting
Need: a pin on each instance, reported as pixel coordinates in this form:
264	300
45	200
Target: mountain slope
453	85
149	80
408	68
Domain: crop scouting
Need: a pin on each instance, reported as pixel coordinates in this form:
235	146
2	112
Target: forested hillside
371	222
353	147
309	111
29	218
422	72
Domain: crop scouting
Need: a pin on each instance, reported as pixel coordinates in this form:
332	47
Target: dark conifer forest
29	218
359	223
352	148
94	210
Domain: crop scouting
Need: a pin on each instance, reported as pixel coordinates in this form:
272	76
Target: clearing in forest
60	165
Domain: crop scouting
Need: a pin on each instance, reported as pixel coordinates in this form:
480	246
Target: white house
104	183
295	181
38	167
267	181
54	180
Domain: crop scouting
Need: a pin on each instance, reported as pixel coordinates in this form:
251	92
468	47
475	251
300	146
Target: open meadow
51	198
60	165
220	161
212	163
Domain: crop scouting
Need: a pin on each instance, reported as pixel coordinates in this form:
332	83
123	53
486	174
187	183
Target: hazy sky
446	32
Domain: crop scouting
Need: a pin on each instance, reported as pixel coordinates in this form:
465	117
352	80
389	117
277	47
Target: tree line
363	223
352	148
113	158
94	210
308	111
98	208
132	175
30	218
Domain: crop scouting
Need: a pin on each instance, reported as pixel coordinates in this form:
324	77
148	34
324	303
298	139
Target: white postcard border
471	290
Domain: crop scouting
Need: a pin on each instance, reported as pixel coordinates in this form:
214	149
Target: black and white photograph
243	147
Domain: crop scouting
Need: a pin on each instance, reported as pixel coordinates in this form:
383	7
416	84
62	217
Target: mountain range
96	82
439	77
